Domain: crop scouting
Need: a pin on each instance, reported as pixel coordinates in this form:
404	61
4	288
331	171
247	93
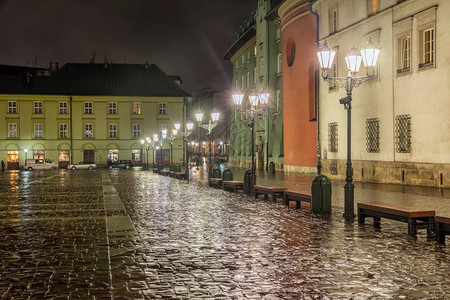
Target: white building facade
400	120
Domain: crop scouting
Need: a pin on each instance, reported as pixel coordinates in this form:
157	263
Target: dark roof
93	79
240	42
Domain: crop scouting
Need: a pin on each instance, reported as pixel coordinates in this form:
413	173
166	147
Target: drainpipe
316	91
267	83
71	132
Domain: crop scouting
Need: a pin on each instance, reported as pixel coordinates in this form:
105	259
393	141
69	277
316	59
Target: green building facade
256	55
91	112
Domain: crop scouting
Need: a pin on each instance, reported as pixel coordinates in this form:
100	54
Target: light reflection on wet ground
66	234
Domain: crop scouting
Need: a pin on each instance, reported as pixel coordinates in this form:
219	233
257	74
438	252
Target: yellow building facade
89	112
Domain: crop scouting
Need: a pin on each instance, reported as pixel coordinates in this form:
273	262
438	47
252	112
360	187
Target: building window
279	63
12	107
136	130
373	135
162	108
372	7
333	137
248	56
261	38
237	66
243	81
427	47
248	79
243	59
12	130
63	108
290	52
112	131
88	108
39	155
261	67
254	75
63	131
278	34
137	108
403	134
38	130
112	108
88	130
405	53
37	107
333	19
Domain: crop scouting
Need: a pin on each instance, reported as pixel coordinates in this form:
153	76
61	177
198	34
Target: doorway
12	160
89	155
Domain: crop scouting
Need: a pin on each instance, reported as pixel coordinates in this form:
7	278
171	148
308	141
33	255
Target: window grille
373	135
333	137
88	108
403	133
162	108
112	108
37	107
12	107
63	108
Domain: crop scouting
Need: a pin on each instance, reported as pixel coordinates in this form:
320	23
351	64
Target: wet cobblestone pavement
127	234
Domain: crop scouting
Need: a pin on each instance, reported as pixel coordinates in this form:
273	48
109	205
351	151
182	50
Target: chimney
54	66
28	77
146	65
105	63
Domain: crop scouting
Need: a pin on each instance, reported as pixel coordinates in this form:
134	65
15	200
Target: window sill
426	66
405	71
13	138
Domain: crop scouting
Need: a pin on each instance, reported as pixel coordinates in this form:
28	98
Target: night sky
183	37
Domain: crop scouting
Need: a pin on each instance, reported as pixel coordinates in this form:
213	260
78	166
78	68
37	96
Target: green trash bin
160	167
177	168
172	168
216	173
271	168
321	195
227	175
246	187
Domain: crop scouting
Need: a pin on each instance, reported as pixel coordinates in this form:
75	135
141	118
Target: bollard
321	195
271	168
227	175
246	187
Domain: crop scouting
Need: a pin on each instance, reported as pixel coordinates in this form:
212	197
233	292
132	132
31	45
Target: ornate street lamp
146	143
369	56
212	123
186	134
155	141
171	138
26	155
258	106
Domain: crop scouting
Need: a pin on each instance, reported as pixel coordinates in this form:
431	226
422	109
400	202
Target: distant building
256	55
91	112
400	120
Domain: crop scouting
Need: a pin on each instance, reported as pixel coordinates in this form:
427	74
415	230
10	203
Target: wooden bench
415	217
267	191
180	175
233	185
297	197
215	182
442	228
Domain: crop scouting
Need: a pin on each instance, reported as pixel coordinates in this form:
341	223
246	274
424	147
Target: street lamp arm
349	82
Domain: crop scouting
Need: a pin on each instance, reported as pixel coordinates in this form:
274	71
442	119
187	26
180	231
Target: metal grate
403	133
373	135
333	137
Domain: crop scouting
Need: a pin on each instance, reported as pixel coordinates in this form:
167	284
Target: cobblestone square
129	234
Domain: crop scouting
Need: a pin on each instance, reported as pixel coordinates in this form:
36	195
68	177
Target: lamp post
186	134
26	155
258	104
155	141
171	138
369	56
146	143
212	123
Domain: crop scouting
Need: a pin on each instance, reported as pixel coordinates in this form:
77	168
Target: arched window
278	100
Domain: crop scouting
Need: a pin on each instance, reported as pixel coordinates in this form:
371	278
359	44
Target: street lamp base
349	200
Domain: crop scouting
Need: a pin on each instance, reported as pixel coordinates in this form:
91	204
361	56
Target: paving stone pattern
127	234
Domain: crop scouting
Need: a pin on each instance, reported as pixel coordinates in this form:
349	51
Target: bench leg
412	227
440	235
274	197
298	204
361	217
377	222
286	201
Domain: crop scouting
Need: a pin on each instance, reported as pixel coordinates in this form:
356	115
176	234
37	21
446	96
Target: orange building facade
299	86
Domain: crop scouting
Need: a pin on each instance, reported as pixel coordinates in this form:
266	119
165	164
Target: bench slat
406	211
